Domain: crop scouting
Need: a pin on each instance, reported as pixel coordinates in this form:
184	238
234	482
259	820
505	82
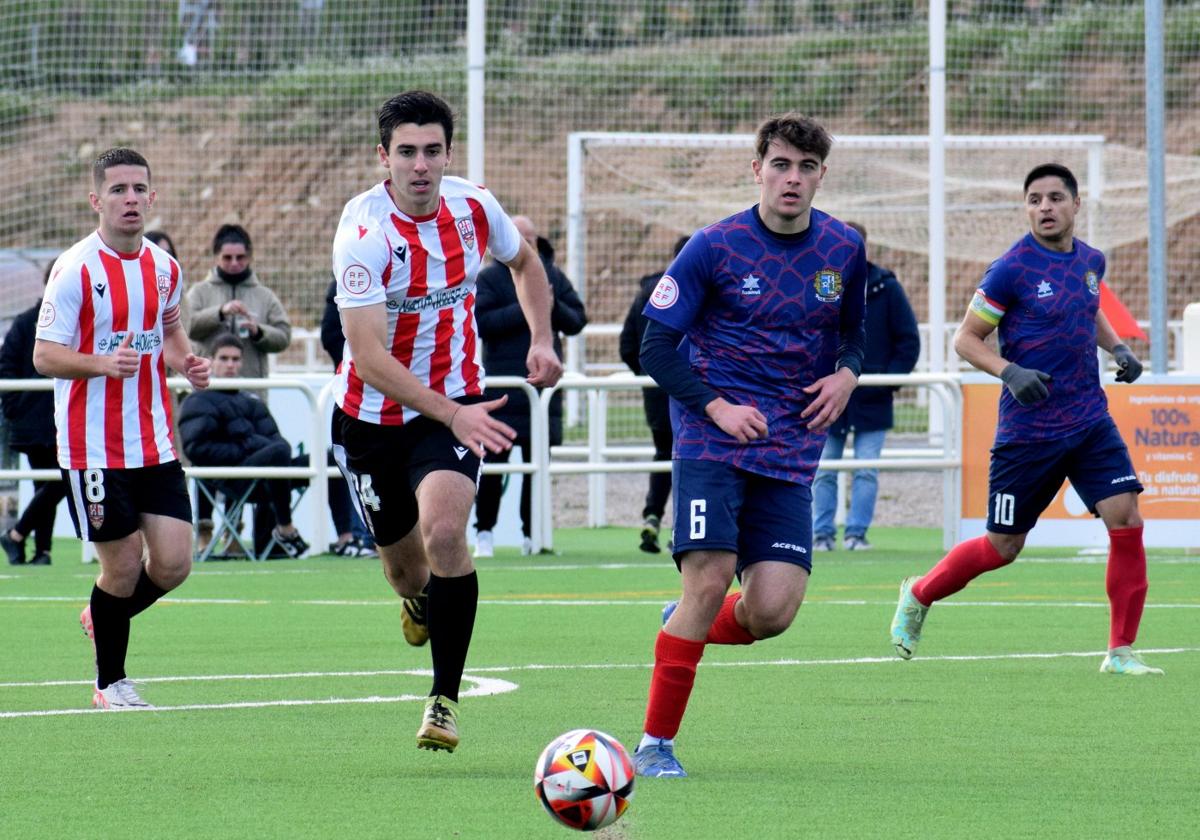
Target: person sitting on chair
234	428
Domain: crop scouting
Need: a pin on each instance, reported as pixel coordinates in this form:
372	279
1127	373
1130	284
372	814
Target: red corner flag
1118	315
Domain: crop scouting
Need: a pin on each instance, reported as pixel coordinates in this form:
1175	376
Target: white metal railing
314	472
599	459
945	454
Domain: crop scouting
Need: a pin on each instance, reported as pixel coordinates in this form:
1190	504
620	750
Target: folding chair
228	501
227	517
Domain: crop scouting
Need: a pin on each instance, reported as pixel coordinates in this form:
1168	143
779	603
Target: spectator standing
29	416
232	299
893	346
657	406
224	428
505	334
162	240
108	328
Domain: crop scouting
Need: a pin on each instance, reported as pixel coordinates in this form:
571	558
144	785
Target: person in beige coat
230	299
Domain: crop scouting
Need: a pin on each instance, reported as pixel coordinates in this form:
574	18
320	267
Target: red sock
1126	583
675	662
725	629
965	562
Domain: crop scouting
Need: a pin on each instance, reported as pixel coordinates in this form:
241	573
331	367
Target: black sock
145	593
452	603
110	627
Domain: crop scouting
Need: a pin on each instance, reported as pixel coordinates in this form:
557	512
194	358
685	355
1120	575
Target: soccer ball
584	779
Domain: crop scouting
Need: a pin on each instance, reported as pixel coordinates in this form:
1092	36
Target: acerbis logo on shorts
665	293
791	546
356	279
1123	479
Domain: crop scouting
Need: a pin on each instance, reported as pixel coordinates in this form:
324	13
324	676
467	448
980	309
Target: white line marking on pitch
816	601
483	686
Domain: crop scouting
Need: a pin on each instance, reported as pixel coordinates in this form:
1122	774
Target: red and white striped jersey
423	270
95	296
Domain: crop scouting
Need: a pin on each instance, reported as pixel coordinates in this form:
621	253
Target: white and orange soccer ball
584	779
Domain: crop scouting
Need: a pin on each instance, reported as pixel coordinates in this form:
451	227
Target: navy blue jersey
1045	303
763	315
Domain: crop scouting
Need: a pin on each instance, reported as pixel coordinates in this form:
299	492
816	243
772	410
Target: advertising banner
1159	419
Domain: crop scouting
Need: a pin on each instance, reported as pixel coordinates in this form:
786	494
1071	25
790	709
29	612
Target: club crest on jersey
1044	290
46	314
164	286
1093	282
466	230
750	286
665	293
95	514
829	285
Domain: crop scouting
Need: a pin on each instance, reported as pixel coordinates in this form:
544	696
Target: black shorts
384	465
112	501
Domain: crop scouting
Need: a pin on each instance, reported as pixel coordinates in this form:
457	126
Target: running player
1044	295
769	306
411	424
108	329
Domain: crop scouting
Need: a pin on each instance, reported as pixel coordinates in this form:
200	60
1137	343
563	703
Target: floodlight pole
937	199
476	62
1156	256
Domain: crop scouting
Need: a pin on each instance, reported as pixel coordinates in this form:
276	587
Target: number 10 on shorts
1003	507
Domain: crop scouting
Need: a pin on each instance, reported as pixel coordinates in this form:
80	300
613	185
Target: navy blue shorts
1024	477
719	507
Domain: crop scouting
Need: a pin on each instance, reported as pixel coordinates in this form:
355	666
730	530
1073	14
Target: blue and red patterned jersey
764	315
1044	303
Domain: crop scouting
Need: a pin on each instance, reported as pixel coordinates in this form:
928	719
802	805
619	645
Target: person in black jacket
505	335
29	416
893	346
657	406
234	428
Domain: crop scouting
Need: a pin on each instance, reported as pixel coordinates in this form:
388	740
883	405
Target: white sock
650	741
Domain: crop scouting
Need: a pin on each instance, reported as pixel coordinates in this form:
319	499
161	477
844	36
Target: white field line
483	686
816	601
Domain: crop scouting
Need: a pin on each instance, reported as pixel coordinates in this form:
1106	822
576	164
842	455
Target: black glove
1128	366
1026	384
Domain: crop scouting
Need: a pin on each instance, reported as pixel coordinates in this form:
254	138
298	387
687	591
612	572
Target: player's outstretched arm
177	353
1129	367
533	293
473	425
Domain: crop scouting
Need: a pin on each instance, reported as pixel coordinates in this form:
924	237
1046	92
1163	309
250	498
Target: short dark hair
679	243
862	231
414	106
228	339
160	238
1055	170
235	234
116	157
805	133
